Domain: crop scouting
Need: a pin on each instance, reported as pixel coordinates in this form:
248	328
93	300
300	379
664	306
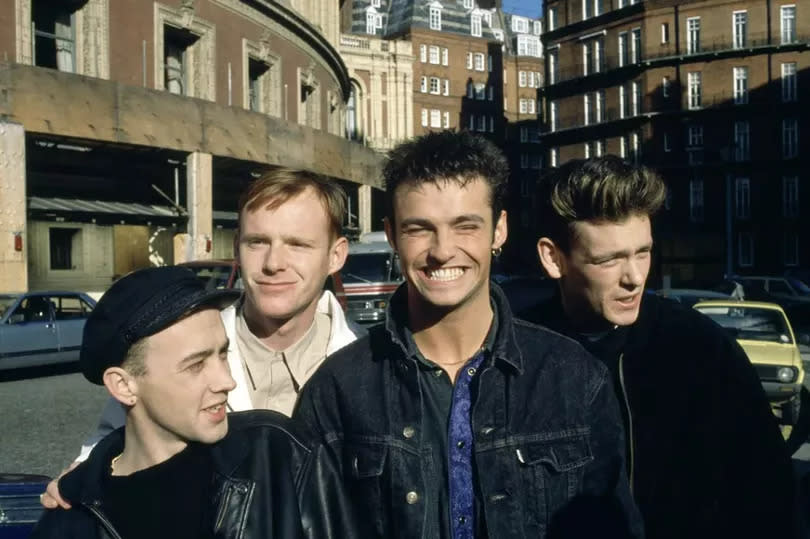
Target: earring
496	252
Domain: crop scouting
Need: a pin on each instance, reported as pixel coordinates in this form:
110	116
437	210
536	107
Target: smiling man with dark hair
453	419
705	457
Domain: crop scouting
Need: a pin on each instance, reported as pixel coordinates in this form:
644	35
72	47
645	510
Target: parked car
764	332
690	296
224	273
776	289
19	503
41	328
370	276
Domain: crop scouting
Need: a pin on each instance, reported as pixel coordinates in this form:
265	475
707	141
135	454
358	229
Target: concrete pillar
364	209
13	238
199	191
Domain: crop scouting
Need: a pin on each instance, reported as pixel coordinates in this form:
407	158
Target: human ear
551	257
337	254
501	231
121	385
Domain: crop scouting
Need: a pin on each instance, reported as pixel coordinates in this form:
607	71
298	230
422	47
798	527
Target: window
532	108
788	24
665	87
489	63
469	60
742	146
791	252
423	87
425	117
788	82
745	249
537	28
599	101
589	150
523	106
524	160
423	53
624	146
445	56
475	25
520	25
492	124
586	106
624	58
587	9
479	61
522	79
480	91
740	85
435	18
529	45
693	35
435	118
375	3
490	93
624	112
433	54
635	139
257	76
696	200
352	124
790	196
54	35
446	87
552	65
482	123
434	85
371	22
740	28
635	46
600	148
64	243
694	80
468	4
742	198
176	42
667	146
445	119
552	18
593	56
664	33
552	115
694	138
554	157
636	88
471	122
790	138
524	134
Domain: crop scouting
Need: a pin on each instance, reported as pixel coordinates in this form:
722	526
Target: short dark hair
598	189
446	156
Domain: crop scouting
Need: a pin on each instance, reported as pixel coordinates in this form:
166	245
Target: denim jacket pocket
552	472
363	465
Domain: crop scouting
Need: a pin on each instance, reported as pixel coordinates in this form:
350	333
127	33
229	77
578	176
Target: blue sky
529	8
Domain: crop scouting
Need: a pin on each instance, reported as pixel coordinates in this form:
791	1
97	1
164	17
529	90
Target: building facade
475	68
128	129
712	94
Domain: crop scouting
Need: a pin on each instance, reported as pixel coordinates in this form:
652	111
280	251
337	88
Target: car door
70	314
29	334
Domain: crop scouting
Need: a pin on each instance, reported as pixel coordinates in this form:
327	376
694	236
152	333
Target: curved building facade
128	128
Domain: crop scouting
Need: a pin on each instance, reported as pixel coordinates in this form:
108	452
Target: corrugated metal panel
113	208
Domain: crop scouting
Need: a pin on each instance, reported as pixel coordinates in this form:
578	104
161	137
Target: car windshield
6	300
751	323
366	268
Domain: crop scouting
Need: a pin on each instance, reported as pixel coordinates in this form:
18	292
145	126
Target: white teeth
444	274
214	409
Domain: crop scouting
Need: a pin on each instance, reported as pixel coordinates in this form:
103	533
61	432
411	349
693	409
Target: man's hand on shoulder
50	499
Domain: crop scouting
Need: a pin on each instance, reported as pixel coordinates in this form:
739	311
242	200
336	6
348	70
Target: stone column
364	209
199	190
13	239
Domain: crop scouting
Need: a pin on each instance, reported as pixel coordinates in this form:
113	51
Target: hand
50	499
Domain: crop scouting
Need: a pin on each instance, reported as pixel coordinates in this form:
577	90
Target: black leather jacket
269	482
548	441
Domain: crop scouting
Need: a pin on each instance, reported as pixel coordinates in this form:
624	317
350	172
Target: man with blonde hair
288	242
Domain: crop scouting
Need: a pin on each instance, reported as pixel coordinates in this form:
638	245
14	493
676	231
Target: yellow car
764	332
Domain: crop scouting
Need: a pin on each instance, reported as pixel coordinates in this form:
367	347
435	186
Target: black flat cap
139	305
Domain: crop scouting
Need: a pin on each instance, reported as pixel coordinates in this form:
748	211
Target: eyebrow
616	254
286	239
202	354
428	223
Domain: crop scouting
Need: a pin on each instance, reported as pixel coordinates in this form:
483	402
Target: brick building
474	67
714	95
128	128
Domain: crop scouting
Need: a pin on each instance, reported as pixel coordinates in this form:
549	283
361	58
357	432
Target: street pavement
46	415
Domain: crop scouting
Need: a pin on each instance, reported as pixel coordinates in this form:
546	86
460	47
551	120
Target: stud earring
496	252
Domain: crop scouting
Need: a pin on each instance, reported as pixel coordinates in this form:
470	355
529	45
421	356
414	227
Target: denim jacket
548	439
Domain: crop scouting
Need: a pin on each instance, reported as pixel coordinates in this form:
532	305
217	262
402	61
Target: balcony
669	53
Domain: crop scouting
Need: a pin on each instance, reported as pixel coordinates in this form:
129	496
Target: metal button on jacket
408	432
411	497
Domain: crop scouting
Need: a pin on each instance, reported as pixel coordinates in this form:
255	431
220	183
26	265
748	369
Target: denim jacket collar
504	348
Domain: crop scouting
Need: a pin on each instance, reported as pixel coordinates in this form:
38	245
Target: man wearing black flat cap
181	467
